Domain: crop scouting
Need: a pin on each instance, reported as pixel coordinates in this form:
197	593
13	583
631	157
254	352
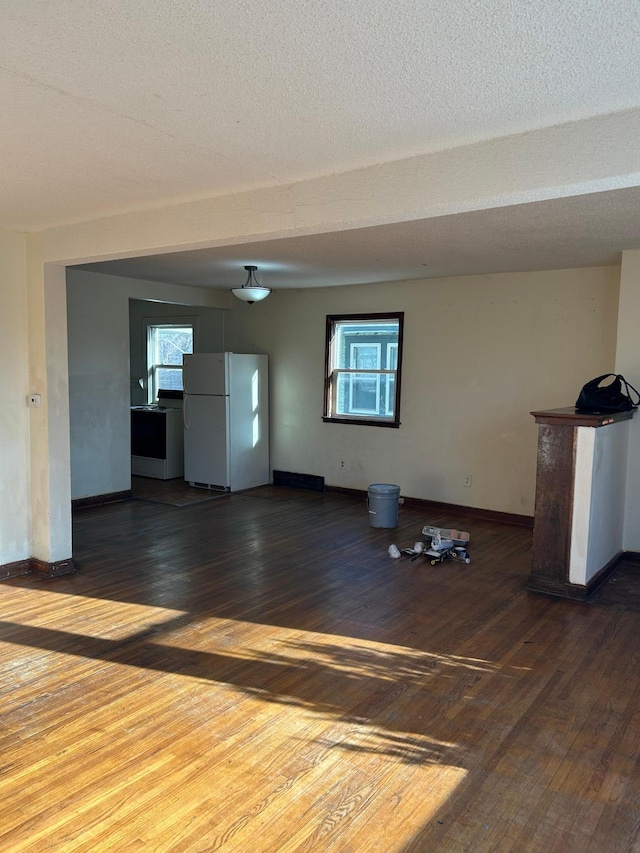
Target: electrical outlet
467	480
343	465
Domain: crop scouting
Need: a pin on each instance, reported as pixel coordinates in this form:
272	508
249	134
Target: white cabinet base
160	469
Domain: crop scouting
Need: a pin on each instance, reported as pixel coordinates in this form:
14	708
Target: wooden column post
553	530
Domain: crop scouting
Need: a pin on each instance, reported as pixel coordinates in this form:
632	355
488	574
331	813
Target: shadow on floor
170	492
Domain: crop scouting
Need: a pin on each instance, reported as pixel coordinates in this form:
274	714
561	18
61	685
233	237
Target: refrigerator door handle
185	397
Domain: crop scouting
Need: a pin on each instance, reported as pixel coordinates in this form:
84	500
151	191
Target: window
166	344
364	388
362	379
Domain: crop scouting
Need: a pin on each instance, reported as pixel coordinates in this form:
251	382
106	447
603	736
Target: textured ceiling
588	230
115	107
108	107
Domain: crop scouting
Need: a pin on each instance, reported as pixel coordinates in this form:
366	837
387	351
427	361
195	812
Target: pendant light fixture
251	291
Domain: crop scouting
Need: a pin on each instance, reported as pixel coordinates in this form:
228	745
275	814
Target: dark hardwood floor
175	492
256	674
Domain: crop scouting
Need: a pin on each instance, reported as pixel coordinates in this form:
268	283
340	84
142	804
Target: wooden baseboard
40	568
53	570
15	570
474	512
99	500
578	592
341	490
452	509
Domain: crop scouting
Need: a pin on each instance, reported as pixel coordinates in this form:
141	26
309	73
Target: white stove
157	439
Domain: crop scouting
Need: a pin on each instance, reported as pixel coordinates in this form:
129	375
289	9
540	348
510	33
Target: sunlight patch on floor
204	705
99	618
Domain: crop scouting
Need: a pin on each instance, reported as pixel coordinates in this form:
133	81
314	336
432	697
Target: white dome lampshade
251	291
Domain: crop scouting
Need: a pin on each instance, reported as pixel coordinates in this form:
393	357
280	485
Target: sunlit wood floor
256	674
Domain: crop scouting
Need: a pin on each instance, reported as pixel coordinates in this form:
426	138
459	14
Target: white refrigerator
226	420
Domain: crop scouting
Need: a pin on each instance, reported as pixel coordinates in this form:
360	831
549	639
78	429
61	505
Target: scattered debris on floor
443	543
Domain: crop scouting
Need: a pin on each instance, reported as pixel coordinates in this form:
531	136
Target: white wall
599	495
480	353
98	325
628	363
99	383
606	526
49	423
15	524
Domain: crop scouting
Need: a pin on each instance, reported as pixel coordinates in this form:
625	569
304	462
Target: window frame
151	324
329	370
392	347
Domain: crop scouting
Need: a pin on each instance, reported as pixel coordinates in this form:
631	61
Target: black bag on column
615	396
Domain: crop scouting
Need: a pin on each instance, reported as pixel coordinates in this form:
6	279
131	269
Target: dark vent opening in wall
300	481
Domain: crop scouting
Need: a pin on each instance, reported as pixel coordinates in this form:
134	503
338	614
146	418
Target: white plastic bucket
382	500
